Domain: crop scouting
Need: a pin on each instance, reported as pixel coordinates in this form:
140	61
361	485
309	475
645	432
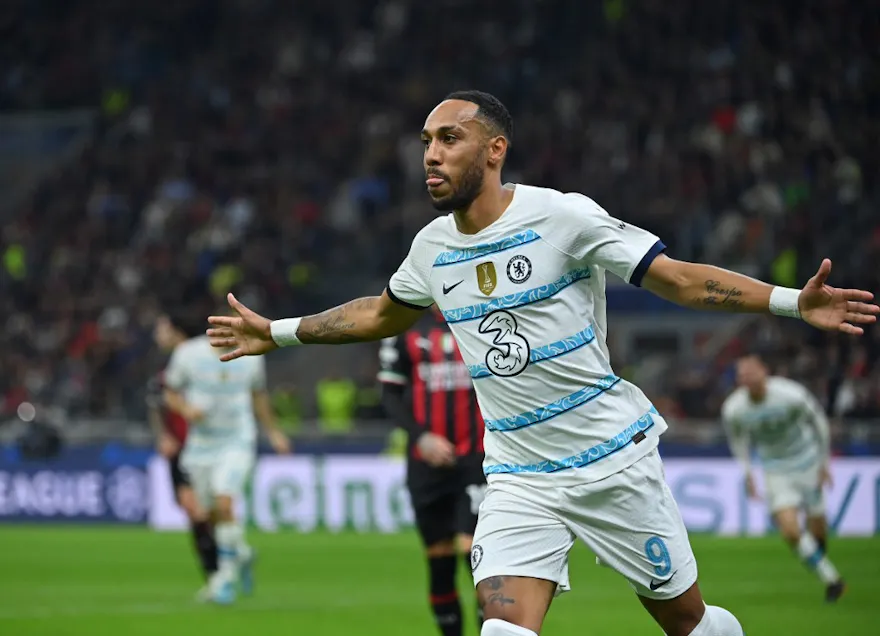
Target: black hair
490	111
189	323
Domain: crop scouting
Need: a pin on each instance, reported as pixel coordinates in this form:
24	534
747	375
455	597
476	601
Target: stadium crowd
272	148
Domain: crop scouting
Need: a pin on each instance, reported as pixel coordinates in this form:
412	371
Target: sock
812	555
444	598
497	627
717	621
823	544
229	536
206	547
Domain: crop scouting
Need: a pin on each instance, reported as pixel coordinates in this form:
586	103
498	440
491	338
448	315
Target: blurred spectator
272	146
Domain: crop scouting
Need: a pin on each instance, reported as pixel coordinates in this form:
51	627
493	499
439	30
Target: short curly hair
490	111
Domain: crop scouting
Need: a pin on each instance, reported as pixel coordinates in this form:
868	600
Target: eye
449	139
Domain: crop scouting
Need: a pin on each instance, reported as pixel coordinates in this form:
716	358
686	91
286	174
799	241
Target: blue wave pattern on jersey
477	251
589	456
519	299
547	352
560	406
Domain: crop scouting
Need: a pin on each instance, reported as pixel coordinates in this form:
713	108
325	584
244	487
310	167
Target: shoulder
436	232
555	213
431	240
734	403
787	387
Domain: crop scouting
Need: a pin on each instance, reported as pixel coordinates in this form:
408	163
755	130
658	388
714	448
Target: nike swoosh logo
656	585
446	289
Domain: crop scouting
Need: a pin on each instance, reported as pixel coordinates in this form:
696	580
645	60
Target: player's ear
497	151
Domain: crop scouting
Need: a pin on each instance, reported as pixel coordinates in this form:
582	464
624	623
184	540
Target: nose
433	154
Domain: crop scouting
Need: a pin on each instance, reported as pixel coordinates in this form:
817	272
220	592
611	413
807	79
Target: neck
483	211
757	394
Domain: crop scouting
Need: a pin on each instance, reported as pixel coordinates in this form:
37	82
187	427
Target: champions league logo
126	492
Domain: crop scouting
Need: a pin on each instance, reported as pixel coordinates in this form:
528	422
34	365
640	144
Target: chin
443	204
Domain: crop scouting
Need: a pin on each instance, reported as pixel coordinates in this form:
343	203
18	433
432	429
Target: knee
440	549
224	509
495	627
187	500
684	623
790	534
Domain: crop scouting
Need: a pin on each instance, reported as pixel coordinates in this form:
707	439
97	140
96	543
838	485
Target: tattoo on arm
497	595
338	325
722	297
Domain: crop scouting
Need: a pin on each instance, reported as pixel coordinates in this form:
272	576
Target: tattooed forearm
347	323
716	295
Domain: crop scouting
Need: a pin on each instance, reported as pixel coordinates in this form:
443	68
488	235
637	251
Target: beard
469	186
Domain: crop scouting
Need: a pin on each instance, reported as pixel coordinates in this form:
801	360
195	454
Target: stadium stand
273	149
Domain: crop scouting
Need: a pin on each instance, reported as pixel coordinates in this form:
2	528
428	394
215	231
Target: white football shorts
226	474
629	520
799	489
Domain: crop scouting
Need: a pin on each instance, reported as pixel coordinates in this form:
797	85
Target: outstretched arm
711	288
361	320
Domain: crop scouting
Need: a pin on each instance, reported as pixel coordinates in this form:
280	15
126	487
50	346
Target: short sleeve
394	361
595	237
176	373
258	382
409	286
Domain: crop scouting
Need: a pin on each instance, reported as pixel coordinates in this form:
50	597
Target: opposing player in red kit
427	391
170	429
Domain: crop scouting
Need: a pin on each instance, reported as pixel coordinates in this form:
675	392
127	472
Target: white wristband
284	331
784	302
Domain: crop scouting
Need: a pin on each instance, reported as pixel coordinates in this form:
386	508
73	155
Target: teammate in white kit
220	402
787	427
571	448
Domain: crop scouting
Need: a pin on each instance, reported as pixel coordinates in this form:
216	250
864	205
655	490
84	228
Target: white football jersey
525	299
222	390
788	429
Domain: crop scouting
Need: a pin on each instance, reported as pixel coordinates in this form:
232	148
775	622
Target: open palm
833	309
246	334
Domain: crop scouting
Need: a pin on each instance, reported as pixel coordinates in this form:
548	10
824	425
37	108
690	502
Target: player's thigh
231	473
784	491
199	476
518	534
434	514
632	523
788	523
518	600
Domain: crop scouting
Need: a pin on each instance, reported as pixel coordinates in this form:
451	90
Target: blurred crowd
272	148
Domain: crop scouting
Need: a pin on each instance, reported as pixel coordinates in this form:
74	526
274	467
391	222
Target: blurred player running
571	448
220	402
170	429
789	430
428	391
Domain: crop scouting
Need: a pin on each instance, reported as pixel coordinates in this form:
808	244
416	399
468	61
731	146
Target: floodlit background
162	153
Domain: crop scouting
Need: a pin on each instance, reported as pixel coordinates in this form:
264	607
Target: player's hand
437	450
247	333
279	441
167	446
751	489
825	480
834	309
192	414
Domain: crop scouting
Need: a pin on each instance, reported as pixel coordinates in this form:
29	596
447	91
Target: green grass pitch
132	582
